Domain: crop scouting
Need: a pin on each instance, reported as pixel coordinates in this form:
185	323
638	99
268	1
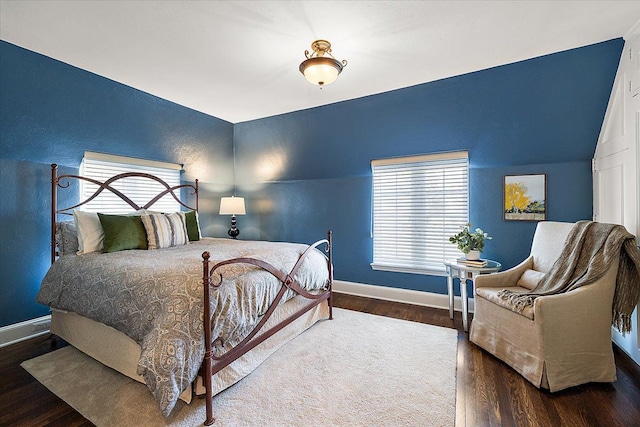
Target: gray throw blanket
589	250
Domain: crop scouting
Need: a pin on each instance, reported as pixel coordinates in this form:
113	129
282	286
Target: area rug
356	370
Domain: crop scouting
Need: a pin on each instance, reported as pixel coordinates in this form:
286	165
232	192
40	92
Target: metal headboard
64	181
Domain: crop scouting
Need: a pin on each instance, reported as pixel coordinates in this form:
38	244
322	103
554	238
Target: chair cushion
491	295
530	279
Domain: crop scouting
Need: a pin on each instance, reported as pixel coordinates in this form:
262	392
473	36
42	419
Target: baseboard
407	296
17	332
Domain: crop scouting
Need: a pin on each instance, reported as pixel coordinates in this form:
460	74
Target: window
140	190
418	203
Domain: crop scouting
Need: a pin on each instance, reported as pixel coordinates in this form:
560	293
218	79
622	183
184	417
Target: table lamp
232	206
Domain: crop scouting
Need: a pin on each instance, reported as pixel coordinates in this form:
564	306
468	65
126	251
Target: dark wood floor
489	393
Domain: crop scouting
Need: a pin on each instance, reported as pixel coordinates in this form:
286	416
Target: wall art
525	197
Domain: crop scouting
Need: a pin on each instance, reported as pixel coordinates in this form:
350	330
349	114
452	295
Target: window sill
410	270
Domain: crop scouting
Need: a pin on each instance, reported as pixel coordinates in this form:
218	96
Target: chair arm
570	319
505	278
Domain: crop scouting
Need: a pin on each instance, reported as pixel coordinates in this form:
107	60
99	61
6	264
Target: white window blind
418	203
140	190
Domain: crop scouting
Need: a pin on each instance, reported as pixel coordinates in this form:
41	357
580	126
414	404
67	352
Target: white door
616	181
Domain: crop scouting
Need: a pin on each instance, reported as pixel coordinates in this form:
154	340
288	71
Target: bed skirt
117	351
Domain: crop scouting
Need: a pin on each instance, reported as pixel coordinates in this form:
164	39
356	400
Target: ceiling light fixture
321	68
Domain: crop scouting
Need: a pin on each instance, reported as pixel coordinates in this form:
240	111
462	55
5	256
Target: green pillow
193	230
122	232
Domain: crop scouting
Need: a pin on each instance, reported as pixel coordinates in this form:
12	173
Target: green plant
469	241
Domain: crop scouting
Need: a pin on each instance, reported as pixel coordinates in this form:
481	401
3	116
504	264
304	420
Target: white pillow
165	230
90	232
530	279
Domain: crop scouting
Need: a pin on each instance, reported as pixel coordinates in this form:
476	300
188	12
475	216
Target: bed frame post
196	195
330	299
54	208
207	338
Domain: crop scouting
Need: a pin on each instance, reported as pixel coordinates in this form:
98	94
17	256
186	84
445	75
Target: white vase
473	255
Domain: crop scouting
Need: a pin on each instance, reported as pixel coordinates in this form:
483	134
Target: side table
464	273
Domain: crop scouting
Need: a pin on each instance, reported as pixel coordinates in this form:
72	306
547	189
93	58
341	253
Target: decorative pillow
193	226
122	232
90	234
165	230
66	237
530	279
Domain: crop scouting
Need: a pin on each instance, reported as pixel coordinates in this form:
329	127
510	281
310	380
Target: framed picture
525	197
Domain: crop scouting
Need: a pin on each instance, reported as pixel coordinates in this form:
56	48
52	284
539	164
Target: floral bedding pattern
155	297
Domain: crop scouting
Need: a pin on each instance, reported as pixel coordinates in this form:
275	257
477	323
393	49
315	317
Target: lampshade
321	68
232	206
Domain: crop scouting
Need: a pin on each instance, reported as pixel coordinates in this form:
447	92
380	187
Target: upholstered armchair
560	341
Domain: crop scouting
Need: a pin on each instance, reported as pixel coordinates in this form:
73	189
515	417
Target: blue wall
308	171
51	112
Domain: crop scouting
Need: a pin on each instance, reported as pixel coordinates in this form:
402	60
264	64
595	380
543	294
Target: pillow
90	234
165	230
530	279
89	229
193	226
122	232
66	237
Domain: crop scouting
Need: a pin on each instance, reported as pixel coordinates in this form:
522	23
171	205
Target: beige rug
356	370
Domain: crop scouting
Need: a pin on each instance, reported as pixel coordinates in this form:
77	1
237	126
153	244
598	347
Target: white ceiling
238	60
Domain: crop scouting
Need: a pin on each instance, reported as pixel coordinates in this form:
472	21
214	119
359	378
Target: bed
184	316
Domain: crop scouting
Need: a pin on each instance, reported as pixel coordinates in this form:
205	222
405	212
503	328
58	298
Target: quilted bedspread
155	297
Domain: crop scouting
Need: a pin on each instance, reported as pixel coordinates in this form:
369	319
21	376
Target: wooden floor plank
489	393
